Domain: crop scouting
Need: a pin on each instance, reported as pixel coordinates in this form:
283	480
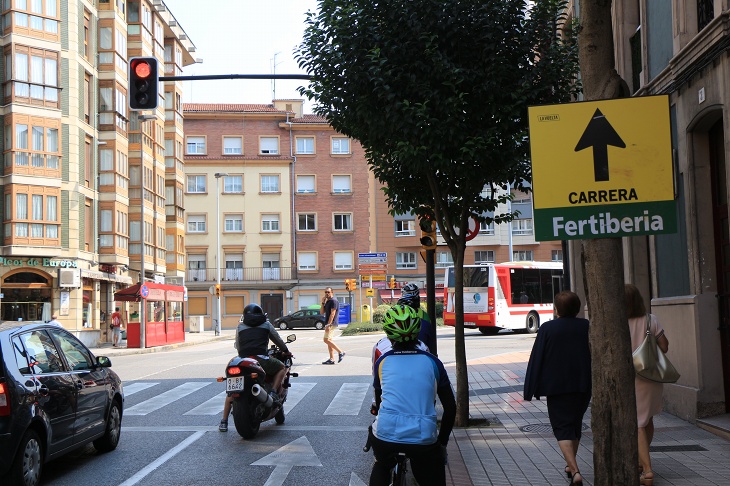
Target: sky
242	37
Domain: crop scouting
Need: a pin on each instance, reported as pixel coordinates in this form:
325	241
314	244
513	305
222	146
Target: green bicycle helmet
402	323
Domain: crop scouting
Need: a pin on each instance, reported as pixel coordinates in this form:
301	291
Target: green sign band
606	221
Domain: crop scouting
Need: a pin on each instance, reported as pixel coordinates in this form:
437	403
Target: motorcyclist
406	380
252	339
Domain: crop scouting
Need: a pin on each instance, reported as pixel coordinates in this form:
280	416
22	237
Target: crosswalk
348	401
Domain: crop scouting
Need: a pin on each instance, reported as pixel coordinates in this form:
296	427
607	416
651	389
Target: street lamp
142	318
218	175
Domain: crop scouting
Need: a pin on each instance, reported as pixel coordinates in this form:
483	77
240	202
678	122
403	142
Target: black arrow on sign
599	134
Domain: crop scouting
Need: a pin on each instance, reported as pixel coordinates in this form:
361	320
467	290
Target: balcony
248	275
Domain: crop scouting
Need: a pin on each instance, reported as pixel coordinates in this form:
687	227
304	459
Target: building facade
72	156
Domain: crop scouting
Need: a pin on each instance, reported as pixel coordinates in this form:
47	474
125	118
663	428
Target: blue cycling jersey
409	381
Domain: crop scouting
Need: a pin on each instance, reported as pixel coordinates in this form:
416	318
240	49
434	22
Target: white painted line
166	398
162	459
297	391
214	406
348	400
133	388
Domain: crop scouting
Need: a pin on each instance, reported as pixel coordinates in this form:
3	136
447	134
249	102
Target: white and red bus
515	295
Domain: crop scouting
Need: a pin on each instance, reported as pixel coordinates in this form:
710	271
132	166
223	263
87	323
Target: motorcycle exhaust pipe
261	395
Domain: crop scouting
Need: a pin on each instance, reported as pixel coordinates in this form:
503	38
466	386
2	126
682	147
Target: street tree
437	91
613	409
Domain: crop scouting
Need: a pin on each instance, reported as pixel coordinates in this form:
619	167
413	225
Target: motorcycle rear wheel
244	418
280	417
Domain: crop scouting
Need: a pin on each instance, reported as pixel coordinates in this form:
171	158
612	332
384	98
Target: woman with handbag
648	393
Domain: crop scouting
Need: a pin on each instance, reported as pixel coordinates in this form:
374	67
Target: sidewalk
518	447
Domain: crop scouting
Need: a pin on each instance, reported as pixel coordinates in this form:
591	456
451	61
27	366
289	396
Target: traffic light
143	83
348	285
391	284
353	284
428	233
217	290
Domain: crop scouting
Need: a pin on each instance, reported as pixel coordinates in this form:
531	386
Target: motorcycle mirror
291	338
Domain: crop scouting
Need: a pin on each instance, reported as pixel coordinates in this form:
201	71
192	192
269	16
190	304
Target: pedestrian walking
560	369
116	327
648	393
331	309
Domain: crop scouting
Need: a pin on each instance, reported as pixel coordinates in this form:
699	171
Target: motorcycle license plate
234	384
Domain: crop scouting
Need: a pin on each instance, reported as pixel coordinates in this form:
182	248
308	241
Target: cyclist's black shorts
427	462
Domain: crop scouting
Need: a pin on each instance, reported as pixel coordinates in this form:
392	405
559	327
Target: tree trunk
613	410
462	376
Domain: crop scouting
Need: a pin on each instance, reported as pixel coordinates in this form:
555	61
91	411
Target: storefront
163	313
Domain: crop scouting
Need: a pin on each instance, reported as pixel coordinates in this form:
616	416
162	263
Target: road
173	405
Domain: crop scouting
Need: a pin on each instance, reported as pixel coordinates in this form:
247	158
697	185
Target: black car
55	396
301	318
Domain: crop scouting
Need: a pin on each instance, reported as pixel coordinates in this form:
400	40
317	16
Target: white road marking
214	406
133	388
348	400
297	391
355	480
296	453
162	459
165	398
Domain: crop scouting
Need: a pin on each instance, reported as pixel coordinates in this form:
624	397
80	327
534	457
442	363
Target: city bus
515	295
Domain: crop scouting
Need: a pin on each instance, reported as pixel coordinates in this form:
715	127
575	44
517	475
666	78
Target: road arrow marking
296	453
356	481
599	134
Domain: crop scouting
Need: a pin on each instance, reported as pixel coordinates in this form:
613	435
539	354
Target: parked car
55	396
301	318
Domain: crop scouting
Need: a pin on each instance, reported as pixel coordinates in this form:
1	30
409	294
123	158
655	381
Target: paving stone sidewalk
518	447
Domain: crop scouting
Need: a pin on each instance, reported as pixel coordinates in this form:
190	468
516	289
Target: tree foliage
437	91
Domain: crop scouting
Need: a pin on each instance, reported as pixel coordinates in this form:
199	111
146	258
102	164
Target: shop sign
37	262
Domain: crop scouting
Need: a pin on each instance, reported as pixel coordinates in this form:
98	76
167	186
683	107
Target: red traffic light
142	68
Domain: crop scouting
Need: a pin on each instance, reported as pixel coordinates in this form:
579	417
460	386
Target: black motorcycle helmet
253	315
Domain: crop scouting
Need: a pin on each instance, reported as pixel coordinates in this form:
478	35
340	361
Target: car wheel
319	325
282	326
489	331
28	464
109	441
532	323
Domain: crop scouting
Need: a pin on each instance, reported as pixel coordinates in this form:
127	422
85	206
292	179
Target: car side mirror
104	362
291	338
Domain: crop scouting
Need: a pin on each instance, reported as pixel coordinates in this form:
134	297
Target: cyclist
252	339
406	382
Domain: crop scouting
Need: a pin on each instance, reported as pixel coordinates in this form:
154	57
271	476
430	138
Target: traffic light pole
431	296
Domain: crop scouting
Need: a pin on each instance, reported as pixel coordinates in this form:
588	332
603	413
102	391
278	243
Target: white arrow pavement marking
213	406
133	388
162	459
296	453
348	400
166	398
356	481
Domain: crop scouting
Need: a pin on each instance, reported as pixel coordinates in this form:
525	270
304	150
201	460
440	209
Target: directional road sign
602	169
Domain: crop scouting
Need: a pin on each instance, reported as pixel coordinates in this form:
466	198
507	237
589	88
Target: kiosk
164	322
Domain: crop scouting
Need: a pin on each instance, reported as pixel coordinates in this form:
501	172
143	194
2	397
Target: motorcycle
248	385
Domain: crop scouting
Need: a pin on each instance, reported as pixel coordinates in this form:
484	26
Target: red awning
155	291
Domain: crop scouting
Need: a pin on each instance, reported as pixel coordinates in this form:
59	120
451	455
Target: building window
233	184
269	145
486	228
405	261
522	226
341	184
196	268
32	148
233	223
444	259
405	228
31	216
307	261
196	184
342	222
30	17
305	145
270	183
307	222
306	184
483	256
340	146
234	267
343	260
196	145
522	256
270	223
232	145
556	255
87	26
32	76
196	223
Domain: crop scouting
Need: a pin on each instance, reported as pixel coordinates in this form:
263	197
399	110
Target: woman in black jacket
560	369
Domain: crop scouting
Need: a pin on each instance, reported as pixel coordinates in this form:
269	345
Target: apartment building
72	172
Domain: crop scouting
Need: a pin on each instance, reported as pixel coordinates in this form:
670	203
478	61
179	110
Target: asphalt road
173	404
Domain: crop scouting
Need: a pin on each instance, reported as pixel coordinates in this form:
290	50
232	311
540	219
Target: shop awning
151	291
130	294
